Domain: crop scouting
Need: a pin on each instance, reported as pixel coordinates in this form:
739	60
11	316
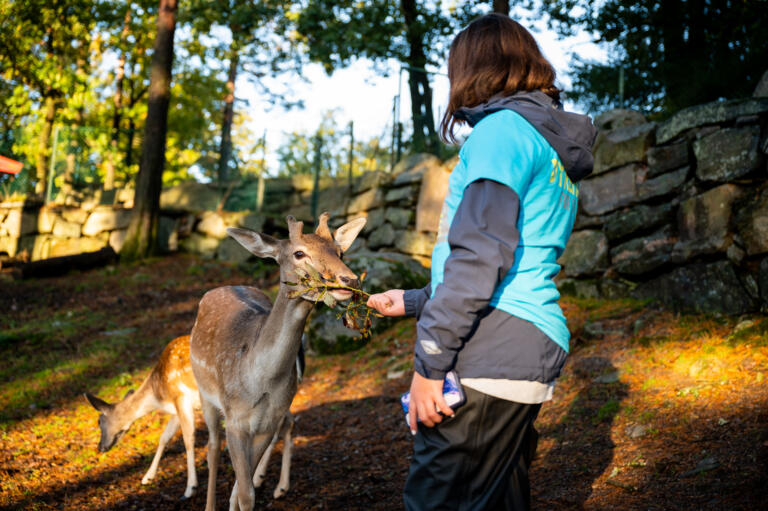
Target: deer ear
256	243
347	233
99	404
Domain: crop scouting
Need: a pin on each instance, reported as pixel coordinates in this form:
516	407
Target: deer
171	388
243	346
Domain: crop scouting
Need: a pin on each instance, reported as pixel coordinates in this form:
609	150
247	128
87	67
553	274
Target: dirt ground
654	410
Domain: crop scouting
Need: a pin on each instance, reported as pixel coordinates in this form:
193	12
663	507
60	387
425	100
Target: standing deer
171	388
243	347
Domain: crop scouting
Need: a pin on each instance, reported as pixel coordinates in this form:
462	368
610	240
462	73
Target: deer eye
299	254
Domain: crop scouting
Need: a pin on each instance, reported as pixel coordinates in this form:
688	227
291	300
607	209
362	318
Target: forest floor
654	410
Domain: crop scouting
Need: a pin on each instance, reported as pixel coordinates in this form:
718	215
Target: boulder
412	168
199	244
703	287
609	191
727	154
580	288
619	118
9	245
433	190
667	157
251	221
403	196
622	146
213	225
231	251
384	236
671	182
752	222
117	239
585	221
585	254
703	222
45	220
367	200
190	196
417	243
625	223
74	215
368	180
762	280
72	246
19	223
37	246
646	254
400	218
709	113
64	229
105	218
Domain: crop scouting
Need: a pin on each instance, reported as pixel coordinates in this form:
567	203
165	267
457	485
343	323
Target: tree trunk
424	134
71	159
41	161
141	239
117	101
501	6
225	149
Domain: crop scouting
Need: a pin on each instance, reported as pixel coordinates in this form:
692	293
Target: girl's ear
347	233
256	243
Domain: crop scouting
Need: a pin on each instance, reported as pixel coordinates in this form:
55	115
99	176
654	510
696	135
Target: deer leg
170	429
285	468
212	421
261	468
243	450
187	420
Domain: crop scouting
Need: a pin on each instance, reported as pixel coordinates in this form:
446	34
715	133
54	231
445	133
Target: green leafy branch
356	314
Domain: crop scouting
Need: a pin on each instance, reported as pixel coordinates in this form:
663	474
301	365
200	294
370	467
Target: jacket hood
570	134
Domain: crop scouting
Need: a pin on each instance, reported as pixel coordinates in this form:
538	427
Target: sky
360	94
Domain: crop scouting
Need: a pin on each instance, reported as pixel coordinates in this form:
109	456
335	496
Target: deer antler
322	226
295	228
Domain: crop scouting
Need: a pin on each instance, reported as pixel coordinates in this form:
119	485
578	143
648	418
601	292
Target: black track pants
477	460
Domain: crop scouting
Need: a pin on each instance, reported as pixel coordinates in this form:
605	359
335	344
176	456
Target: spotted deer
243	346
171	388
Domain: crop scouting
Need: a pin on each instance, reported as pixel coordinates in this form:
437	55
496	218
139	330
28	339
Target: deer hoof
188	493
146	480
279	492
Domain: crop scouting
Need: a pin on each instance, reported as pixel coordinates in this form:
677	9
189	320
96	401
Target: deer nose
350	281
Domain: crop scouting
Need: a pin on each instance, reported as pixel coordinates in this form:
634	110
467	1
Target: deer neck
282	331
136	405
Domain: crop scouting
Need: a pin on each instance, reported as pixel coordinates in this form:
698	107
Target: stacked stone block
676	211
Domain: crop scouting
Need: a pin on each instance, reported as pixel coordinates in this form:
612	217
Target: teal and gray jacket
491	309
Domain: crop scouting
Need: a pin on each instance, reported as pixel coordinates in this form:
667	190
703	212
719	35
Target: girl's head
493	56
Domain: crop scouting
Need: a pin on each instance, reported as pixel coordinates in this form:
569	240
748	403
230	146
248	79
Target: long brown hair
494	55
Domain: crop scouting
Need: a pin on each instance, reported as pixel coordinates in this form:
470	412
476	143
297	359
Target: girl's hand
388	303
427	402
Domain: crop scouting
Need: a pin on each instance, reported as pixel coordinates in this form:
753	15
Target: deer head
319	250
111	421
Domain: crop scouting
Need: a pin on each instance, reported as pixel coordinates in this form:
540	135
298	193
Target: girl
491	311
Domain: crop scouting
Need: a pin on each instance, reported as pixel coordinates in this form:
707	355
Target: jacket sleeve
483	238
414	300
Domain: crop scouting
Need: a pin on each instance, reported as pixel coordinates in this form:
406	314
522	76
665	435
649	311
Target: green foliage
674	53
297	154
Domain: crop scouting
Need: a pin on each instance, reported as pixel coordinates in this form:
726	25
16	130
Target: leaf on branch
313	273
329	300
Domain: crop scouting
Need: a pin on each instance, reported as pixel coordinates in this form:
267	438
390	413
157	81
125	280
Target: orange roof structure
10	166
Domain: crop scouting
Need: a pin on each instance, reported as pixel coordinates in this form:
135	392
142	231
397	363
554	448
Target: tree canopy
670	53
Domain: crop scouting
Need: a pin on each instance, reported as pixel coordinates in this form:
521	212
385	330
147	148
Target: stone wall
394	202
676	211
